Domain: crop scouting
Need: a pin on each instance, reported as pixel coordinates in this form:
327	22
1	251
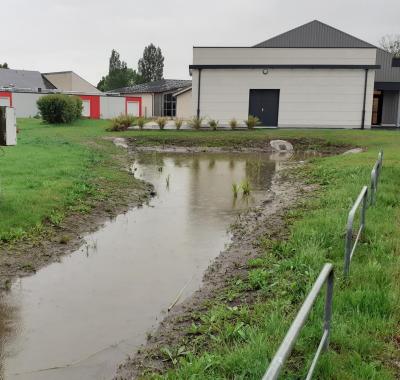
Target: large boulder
281	146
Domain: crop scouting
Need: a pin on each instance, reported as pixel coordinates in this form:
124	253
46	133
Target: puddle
78	319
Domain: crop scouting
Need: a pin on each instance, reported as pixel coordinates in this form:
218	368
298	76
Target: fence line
326	275
375	174
362	199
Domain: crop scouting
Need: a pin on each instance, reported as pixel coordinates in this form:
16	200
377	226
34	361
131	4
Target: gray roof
163	85
23	79
314	34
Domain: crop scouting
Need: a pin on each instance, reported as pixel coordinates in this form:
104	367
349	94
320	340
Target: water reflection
79	318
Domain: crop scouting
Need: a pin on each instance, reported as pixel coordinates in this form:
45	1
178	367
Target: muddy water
79	318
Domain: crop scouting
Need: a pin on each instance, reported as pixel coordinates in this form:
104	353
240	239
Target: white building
312	76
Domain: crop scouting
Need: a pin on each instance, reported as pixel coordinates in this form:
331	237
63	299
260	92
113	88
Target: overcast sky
78	35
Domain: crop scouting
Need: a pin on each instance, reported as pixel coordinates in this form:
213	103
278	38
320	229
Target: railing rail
326	275
375	174
350	247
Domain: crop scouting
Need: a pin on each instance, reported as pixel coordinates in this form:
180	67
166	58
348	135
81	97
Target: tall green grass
54	170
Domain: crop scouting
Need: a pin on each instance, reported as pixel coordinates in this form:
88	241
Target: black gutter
364	100
199	67
198	94
391	86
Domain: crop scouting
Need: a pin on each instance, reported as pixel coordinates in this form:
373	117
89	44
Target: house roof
182	91
314	34
23	79
163	85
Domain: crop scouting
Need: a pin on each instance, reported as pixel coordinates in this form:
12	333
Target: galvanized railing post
349	246
328	308
326	275
375	174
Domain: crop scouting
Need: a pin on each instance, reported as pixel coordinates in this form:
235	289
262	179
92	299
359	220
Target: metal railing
375	174
350	246
326	275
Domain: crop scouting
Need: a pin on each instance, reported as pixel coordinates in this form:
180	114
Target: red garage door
91	106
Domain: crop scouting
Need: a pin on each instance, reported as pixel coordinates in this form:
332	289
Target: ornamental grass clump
213	124
161	122
252	121
121	123
178	123
141	121
233	123
196	122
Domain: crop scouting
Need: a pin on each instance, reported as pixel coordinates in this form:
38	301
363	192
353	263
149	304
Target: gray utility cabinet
8	126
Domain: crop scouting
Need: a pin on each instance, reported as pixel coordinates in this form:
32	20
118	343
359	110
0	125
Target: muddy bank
308	146
265	220
27	255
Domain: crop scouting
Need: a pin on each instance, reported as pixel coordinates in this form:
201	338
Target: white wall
184	108
308	97
111	106
147	103
25	103
282	56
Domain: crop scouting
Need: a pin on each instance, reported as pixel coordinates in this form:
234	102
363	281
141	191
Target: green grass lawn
54	170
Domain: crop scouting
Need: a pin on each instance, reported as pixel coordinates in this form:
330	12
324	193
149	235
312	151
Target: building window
169	105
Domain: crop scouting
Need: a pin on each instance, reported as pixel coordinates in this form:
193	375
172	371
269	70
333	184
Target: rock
121	142
353	151
281	145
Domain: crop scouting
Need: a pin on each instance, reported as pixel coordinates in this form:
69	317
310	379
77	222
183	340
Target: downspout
364	100
198	95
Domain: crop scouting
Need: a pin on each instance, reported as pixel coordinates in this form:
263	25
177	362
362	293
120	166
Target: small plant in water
233	123
252	121
161	121
246	187
141	122
235	189
167	180
196	122
213	124
178	123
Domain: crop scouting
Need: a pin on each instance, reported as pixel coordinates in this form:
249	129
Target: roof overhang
239	67
387	86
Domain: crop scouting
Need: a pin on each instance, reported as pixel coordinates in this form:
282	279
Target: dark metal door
265	105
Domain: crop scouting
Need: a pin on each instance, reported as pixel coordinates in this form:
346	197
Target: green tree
119	74
4	65
391	43
151	65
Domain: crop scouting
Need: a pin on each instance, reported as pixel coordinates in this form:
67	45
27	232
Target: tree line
150	68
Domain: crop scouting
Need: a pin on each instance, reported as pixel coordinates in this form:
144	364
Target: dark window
396	62
169	105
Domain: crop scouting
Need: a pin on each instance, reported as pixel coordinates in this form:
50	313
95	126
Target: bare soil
265	220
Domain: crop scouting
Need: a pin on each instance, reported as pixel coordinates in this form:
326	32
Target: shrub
233	123
196	122
213	124
121	123
60	108
141	121
78	106
178	123
252	121
161	121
